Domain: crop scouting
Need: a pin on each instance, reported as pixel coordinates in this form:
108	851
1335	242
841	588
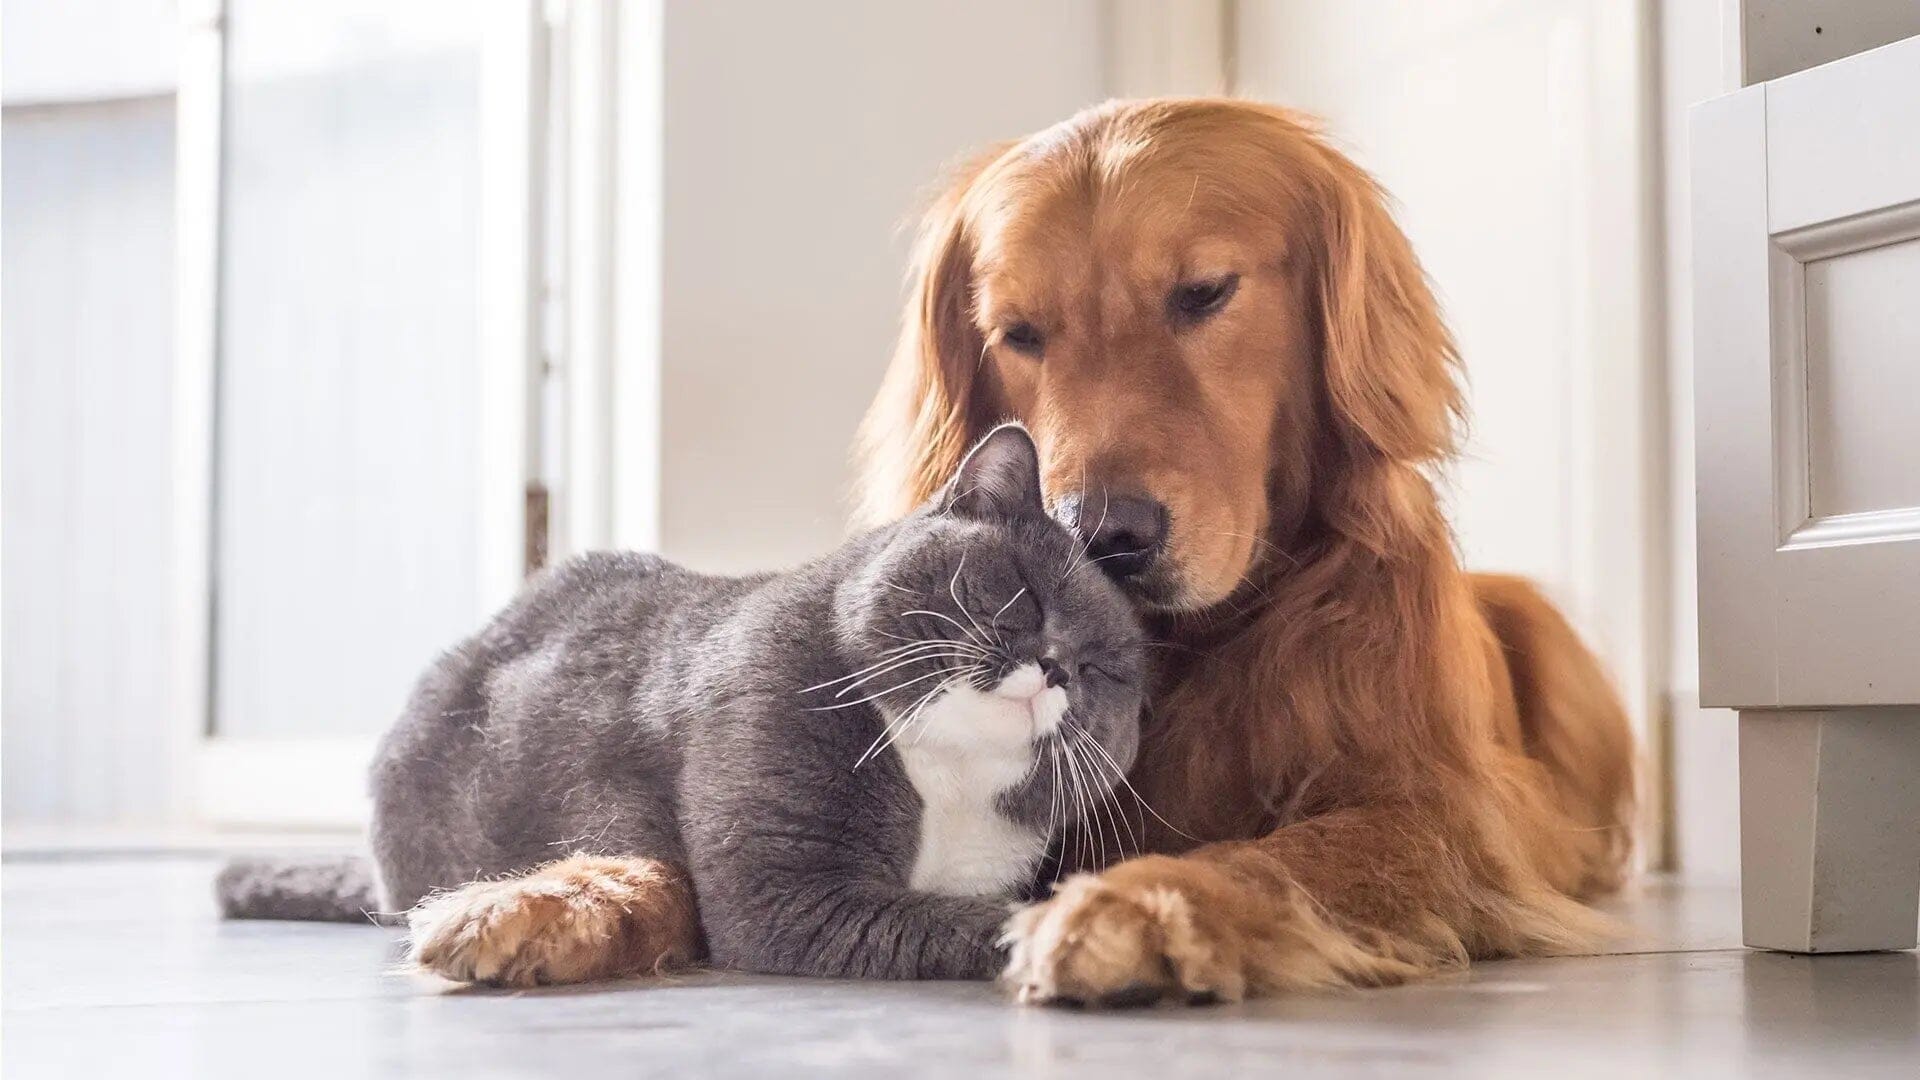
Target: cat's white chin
1026	687
970	746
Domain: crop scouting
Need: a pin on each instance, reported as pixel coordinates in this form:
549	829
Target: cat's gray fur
626	706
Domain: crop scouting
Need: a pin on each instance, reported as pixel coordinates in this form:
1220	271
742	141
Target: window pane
88	342
346	480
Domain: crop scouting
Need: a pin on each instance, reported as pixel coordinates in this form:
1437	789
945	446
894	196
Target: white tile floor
117	967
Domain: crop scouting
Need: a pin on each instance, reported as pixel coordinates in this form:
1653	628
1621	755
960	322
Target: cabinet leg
1830	829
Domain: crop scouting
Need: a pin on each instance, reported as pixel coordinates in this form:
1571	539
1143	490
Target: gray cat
855	764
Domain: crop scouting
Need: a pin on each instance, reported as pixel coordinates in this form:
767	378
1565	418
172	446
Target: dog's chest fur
971	747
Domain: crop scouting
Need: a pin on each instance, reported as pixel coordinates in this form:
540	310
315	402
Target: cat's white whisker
1101	757
966	676
877	695
1102	815
954	643
956	623
1137	797
1073	540
953	590
880	741
913	714
888	657
1057	811
921	641
1081	802
1105	502
1008	604
909	661
1097	559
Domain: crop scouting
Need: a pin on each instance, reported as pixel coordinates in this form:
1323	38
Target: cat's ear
999	478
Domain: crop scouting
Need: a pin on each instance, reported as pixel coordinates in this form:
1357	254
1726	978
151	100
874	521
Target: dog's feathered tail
333	889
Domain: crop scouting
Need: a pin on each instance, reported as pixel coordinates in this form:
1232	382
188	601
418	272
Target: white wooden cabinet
1806	218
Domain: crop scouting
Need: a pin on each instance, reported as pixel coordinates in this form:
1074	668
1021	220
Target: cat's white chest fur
970	746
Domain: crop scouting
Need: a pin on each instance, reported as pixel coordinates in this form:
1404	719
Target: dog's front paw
575	920
1128	937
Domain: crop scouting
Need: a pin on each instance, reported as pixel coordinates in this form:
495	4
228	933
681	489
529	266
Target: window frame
320	782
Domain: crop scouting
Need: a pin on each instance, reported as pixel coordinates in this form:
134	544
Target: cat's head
982	620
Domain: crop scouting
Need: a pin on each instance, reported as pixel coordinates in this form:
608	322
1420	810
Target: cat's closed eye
1095	669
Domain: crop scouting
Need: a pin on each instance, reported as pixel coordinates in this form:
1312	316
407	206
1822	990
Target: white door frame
321	781
606	186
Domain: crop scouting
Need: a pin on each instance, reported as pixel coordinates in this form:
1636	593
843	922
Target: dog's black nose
1122	533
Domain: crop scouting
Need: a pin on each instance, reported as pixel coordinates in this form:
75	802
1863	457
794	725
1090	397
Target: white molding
608	119
1865	527
638	244
583	511
1792	487
66	52
1788	256
1857	232
198	108
284	783
1622	514
512	287
1618	515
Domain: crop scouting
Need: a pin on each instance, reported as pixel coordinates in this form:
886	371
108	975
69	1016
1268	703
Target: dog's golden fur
1395	765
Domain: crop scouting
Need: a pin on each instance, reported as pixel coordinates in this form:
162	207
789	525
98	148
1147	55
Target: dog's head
1205	315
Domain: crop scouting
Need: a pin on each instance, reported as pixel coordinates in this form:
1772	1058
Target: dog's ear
999	478
1391	366
928	408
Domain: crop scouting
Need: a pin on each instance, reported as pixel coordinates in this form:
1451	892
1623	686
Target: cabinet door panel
1807	348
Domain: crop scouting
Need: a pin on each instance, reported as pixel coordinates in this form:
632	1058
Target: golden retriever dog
1364	763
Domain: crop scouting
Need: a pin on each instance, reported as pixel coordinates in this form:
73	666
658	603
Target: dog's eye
1200	298
1023	336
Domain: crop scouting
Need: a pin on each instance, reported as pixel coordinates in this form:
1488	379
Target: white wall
1460	114
800	141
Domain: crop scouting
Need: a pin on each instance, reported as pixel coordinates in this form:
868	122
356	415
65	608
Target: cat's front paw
576	920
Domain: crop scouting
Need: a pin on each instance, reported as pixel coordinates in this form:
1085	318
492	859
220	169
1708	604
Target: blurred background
324	321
